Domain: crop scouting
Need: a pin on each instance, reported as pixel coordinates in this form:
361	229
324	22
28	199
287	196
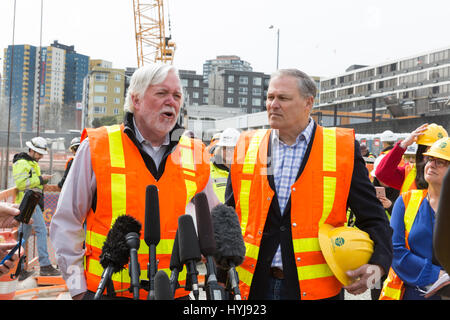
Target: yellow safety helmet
344	249
440	149
434	132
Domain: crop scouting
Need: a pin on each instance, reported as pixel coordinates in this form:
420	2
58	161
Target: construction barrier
7	284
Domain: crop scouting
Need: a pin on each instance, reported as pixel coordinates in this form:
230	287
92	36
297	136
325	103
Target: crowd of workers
292	186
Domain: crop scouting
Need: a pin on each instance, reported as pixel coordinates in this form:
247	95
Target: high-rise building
52	82
21	86
224	62
76	69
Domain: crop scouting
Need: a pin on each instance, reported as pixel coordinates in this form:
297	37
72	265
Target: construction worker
221	161
387	139
110	174
414	266
212	144
27	175
74	144
285	183
365	152
408	177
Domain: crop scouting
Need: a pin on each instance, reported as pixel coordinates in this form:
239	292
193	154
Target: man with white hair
110	173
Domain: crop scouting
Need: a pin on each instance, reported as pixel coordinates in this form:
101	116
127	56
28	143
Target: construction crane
152	43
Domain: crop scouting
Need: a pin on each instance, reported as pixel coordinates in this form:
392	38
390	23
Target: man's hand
409	140
365	277
9	264
7	213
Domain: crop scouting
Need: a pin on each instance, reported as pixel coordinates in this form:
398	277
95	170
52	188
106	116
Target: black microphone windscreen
230	246
162	286
187	239
204	225
175	257
152	232
115	251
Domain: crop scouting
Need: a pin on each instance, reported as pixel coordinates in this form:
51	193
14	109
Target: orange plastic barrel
7	285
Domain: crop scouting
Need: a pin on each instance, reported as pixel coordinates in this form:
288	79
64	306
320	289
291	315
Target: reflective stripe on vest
393	286
410	177
219	178
308	246
248	168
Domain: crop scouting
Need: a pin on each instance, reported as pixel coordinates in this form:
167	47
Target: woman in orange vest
287	182
409	176
109	176
414	267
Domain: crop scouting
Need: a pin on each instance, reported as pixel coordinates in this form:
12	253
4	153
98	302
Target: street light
278	44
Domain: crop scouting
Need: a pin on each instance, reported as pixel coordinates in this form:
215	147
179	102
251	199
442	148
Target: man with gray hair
292	181
109	176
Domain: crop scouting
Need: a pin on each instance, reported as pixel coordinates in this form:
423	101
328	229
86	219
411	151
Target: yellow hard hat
434	132
344	249
440	149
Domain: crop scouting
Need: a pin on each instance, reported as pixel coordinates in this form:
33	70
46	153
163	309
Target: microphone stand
152	268
234	281
191	278
214	291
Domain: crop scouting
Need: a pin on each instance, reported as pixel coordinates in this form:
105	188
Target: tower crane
152	42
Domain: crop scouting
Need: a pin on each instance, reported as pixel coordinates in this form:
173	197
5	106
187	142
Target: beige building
106	91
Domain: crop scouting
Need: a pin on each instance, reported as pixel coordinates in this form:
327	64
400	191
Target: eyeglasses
439	163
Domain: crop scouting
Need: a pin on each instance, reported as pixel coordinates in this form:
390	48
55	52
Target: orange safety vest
393	287
410	178
318	196
122	178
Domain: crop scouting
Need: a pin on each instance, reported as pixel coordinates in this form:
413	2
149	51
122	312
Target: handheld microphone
162	286
175	266
133	243
115	251
189	252
230	244
214	291
152	234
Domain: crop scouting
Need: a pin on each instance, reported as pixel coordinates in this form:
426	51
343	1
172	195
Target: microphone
214	291
230	244
162	286
115	251
189	251
152	234
175	266
133	243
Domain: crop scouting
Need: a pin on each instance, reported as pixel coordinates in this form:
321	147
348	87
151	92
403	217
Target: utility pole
5	180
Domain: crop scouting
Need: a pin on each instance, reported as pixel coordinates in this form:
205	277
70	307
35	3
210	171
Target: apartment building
106	91
230	62
245	90
414	86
